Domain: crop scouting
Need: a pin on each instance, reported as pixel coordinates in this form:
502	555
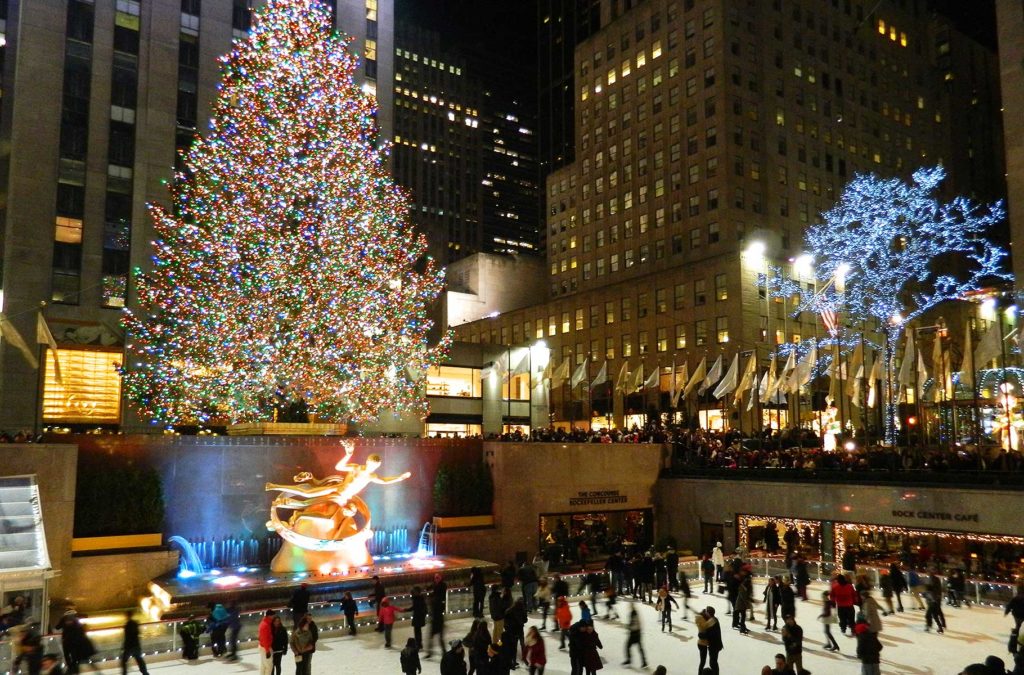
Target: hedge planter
117	543
450	523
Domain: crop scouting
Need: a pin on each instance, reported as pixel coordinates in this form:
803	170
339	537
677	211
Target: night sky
509	27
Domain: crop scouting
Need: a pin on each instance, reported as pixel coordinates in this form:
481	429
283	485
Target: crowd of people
774	449
501	638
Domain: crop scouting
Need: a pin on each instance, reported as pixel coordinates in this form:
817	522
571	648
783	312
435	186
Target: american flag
830	318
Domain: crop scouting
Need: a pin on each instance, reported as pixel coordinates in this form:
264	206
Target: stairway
22	540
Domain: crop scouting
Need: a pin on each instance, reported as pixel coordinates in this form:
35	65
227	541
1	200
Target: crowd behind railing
795	449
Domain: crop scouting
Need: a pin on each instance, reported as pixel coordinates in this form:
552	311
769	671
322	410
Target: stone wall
531	479
683	504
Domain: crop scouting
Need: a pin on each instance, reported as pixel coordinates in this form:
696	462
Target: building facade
701	128
98	100
1010	23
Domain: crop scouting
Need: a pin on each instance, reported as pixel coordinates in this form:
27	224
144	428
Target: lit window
641	59
89	390
881	27
453	381
370	50
68	230
371	10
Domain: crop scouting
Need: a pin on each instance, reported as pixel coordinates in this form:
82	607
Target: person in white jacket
718	558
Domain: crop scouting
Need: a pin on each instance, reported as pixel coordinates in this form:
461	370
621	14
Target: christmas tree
285	270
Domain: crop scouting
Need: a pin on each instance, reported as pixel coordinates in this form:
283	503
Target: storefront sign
594	497
936	515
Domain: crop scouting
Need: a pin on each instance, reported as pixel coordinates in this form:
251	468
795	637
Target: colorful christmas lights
284	269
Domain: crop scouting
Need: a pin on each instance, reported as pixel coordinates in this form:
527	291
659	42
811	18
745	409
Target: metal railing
160	639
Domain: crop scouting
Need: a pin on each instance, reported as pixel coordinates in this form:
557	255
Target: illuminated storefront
454	381
770	535
88	388
599	532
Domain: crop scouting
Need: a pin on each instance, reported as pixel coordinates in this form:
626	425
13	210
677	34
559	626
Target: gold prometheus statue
329	524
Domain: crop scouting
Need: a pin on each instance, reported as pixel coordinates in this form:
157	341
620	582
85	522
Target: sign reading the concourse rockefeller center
597	497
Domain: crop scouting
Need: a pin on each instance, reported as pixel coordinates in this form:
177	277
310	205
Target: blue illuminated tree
905	252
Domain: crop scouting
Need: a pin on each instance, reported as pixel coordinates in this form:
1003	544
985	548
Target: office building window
721	288
722	329
680	336
700	333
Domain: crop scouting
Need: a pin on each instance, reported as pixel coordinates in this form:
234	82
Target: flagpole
974	386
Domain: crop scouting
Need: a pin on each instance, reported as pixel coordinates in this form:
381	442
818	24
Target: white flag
804	370
767	383
654	380
698	377
748	378
638	378
560	374
988	347
683	378
855	386
876	374
968	365
672	384
11	334
755	392
906	375
713	376
732	376
522	363
602	375
620	381
781	383
922	375
580	374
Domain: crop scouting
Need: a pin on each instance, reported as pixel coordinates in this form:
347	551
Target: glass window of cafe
770	535
453	381
576	537
519	385
447	430
993	557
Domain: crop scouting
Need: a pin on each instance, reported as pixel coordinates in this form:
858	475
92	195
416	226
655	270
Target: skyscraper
700	128
98	99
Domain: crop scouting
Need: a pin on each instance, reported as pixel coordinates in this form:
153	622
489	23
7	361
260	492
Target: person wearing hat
453	661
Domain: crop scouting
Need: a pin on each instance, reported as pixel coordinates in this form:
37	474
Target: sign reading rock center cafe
936	515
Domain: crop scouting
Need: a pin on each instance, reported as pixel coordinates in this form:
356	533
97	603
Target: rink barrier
161	642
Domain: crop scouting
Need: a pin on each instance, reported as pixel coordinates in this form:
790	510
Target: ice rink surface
973	633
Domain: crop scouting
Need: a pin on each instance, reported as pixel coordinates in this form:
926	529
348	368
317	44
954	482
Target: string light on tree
285	269
894	242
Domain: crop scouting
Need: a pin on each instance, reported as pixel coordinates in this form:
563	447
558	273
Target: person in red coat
845	597
387	615
265	635
534	654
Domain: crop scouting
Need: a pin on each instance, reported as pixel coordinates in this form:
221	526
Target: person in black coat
787	598
476	582
419	616
497	607
453	661
299	603
349	608
560	587
132	646
707	570
672	567
278	643
409	658
515	624
508	575
78	648
899	584
438	606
